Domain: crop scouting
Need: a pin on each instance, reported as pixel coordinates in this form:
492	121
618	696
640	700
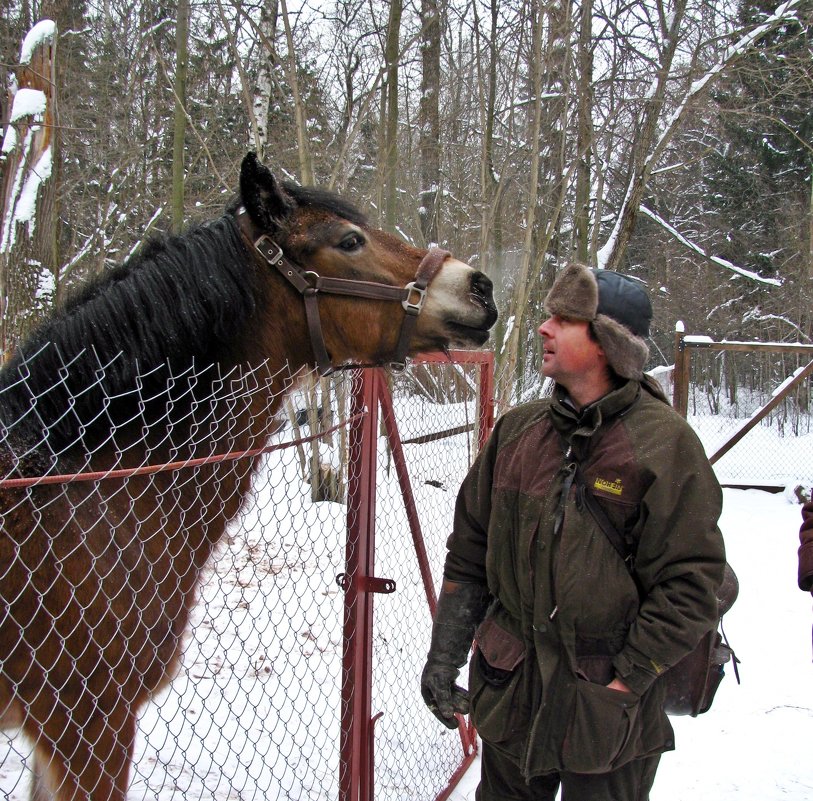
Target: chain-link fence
254	696
752	406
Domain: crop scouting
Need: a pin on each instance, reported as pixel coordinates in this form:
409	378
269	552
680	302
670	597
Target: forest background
670	140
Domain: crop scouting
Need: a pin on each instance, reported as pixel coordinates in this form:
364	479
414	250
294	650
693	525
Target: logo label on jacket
611	487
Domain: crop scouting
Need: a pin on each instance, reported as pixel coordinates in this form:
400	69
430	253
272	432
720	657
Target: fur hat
617	307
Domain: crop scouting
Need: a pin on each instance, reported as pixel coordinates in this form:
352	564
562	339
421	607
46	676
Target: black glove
460	608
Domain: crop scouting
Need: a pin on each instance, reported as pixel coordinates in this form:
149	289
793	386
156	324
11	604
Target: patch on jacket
612	487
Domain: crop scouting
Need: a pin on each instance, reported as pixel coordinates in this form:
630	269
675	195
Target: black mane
179	302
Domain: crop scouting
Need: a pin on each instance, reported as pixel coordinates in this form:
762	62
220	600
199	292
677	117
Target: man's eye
352	242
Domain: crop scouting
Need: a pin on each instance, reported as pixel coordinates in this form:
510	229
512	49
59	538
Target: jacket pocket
604	723
498	688
595	668
500	648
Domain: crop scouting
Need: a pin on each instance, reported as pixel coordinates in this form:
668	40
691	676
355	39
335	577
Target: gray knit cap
616	305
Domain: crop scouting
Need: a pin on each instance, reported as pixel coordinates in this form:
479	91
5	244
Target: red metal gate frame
369	393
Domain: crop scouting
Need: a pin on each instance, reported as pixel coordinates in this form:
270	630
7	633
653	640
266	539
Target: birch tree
266	71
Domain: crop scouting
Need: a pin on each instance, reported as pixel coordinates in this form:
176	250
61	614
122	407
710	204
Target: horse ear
264	199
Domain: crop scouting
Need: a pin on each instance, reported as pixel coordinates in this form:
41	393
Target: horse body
185	352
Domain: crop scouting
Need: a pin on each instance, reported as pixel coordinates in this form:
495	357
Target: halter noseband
310	285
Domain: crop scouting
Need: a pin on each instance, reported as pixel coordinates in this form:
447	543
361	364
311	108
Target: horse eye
352	242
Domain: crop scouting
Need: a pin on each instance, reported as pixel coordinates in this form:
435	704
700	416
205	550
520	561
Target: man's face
569	353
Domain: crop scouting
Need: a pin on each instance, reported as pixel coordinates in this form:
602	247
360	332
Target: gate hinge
367	583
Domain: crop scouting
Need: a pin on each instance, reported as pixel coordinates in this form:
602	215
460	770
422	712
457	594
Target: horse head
369	297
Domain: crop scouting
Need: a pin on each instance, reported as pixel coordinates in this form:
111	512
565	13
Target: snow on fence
299	670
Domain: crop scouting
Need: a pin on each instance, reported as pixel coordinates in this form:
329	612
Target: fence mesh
726	389
254	706
414	753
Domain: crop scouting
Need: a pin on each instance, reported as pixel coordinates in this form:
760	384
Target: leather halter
310	285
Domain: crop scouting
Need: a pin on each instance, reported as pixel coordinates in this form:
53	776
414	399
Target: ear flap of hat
574	294
625	352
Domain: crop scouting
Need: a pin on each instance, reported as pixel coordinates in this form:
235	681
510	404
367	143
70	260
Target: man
562	685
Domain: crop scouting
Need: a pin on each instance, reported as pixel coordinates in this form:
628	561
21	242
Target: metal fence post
485	411
355	758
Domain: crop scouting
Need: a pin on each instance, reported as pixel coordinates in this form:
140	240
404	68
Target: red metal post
355	773
486	399
357	767
394	439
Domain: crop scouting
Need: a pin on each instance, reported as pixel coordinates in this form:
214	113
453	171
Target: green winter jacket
567	615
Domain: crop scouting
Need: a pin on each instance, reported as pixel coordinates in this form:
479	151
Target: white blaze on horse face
451	300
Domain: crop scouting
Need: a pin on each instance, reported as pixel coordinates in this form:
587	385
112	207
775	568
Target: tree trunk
391	53
584	94
429	121
28	251
491	226
265	74
178	140
510	354
305	163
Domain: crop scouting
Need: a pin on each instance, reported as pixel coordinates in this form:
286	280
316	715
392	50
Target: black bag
692	683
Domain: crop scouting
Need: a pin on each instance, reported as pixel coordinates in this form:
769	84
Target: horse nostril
482	287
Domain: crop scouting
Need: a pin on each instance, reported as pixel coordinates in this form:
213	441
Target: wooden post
680	390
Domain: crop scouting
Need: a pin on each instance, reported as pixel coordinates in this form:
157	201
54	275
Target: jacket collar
576	425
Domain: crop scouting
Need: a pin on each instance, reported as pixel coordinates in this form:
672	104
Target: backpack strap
575	476
616	539
604	523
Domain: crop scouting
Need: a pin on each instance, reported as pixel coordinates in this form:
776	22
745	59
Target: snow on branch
785	11
42	33
631	203
724	263
26	152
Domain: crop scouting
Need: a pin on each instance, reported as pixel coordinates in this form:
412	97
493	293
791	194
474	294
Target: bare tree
429	120
389	121
268	61
658	125
305	163
179	135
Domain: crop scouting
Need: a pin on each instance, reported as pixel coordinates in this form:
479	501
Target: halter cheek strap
310	285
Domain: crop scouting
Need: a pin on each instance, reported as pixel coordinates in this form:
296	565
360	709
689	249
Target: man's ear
264	199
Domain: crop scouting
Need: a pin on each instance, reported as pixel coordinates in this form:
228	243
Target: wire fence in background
752	406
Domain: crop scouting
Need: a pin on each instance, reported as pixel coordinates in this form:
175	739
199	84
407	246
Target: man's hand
442	695
617	684
460	608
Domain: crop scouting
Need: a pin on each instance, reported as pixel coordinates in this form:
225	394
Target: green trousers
500	780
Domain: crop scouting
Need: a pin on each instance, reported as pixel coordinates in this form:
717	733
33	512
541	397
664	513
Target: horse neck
196	502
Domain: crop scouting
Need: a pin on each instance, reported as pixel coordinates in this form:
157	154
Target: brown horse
181	353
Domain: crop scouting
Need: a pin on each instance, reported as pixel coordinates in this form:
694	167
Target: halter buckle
269	250
410	306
